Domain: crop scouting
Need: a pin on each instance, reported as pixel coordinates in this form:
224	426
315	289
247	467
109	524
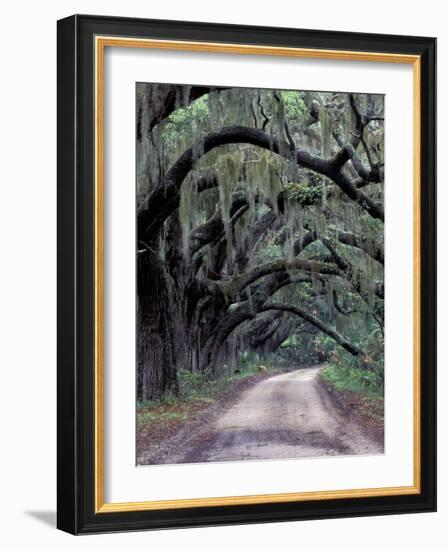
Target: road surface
285	416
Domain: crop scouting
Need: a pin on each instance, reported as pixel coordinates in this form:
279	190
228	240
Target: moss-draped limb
313	320
165	197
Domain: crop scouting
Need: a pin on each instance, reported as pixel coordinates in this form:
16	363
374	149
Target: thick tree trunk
156	319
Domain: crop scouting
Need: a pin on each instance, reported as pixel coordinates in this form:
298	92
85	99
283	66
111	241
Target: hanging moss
228	172
214	106
185	215
320	222
325	130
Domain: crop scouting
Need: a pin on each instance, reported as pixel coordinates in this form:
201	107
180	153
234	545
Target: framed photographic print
246	274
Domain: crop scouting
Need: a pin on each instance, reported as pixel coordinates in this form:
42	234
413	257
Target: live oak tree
259	215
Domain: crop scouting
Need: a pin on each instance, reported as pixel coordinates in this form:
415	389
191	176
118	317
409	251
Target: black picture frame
76	255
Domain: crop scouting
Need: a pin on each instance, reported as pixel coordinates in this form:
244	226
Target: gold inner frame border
100	44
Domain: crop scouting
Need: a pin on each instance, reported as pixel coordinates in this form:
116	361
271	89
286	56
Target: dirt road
285	416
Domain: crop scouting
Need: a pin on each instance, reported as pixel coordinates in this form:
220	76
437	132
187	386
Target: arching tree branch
327	329
369	246
237	285
165	198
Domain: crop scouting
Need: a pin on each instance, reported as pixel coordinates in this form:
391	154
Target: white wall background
28	273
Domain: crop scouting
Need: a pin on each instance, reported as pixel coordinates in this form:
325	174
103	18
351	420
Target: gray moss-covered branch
165	197
313	320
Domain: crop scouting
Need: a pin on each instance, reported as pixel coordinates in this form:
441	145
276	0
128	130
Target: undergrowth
354	380
345	372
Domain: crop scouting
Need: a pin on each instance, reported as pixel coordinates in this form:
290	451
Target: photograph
259	273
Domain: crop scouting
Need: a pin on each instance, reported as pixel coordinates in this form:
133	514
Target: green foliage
180	120
367	336
192	383
295	108
324	343
373	343
347	377
248	363
298	349
364	374
248	360
270	252
317	251
303	193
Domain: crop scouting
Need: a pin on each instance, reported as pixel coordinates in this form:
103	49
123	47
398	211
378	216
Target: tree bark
156	319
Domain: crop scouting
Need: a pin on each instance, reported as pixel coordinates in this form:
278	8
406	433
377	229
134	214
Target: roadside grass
367	383
197	391
361	389
162	414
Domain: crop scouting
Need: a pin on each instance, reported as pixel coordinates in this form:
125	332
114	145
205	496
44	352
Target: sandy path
285	416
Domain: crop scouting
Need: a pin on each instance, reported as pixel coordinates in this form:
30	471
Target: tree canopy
260	220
